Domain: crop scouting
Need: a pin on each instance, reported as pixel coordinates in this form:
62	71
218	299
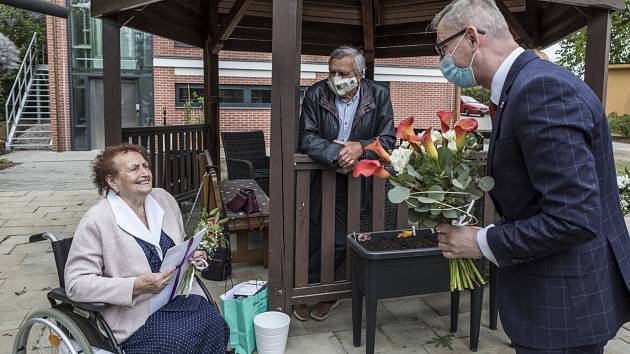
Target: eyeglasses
439	45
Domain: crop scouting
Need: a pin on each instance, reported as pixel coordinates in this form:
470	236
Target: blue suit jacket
562	246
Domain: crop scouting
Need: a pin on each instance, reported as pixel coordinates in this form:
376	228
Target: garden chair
246	157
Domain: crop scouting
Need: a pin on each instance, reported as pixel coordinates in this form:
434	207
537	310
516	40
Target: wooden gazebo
288	28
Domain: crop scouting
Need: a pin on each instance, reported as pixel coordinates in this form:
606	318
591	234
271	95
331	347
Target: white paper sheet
173	259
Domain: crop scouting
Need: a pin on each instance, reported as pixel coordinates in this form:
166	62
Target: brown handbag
245	201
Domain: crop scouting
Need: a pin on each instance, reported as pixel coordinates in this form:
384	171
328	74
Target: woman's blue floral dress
185	325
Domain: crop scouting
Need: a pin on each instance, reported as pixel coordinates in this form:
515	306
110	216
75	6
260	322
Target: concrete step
31	147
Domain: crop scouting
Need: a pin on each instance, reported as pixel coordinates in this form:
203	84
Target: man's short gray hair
482	14
357	56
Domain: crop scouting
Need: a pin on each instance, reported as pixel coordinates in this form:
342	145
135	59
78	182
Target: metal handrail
19	91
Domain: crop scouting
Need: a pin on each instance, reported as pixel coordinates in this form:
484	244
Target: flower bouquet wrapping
211	241
438	176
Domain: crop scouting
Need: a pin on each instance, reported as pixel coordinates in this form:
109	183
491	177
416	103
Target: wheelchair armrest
59	294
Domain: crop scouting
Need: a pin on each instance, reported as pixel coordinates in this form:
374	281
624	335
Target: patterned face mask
342	86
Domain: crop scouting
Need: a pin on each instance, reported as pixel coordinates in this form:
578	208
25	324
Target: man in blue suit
562	247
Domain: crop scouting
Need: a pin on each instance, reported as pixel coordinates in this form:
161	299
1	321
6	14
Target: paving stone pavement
31	202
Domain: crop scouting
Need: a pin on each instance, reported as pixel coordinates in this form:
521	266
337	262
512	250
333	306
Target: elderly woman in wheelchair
115	258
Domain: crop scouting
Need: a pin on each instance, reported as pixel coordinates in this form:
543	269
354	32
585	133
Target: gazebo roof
400	27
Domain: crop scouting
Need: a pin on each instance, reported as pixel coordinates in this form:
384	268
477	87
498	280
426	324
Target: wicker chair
246	157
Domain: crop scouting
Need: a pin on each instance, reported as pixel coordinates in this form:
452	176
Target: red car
470	106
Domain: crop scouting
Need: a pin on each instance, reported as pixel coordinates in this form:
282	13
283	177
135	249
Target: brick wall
421	100
59	100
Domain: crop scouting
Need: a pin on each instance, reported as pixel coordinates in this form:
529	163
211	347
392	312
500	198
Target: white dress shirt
498	81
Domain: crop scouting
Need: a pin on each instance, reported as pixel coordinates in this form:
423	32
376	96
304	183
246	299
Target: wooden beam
603	4
597	52
100	8
286	60
148	21
237	12
534	21
515	26
112	106
211	83
367	19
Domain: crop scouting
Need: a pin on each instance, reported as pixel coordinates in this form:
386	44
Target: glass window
261	96
232	95
188	92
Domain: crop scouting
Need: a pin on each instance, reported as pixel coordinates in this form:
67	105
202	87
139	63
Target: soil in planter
397	244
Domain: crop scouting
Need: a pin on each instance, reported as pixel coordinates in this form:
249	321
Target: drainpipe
56	68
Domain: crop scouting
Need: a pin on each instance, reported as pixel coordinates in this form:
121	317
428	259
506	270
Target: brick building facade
417	87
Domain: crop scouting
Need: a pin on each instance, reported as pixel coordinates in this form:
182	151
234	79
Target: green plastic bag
239	315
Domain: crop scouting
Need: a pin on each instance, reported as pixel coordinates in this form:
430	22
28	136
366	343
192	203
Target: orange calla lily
427	141
445	120
405	132
368	168
378	149
463	127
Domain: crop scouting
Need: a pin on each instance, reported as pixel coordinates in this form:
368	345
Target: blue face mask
462	77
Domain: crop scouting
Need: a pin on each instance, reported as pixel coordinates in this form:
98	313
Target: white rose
450	137
400	158
622	181
436	136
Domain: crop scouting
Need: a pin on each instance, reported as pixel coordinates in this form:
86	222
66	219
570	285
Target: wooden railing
173	155
296	269
329	288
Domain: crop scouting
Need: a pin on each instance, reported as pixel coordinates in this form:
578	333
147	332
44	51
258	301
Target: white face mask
342	86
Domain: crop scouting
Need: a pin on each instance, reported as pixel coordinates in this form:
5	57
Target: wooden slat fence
173	154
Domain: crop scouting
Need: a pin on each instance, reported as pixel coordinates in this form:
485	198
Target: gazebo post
286	61
597	51
112	110
211	86
367	16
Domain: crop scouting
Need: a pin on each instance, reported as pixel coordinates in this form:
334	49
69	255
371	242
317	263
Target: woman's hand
152	283
198	259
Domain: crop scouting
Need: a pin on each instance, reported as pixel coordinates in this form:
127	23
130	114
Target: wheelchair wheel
50	331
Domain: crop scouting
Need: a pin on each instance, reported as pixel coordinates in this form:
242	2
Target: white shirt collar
501	75
131	223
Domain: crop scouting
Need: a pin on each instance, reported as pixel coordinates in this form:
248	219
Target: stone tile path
50	192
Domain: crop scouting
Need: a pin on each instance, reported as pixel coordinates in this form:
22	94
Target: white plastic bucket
272	330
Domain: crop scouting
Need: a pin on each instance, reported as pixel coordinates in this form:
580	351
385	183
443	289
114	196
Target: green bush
619	124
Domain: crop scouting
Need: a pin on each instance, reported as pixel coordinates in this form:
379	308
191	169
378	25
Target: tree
18	26
479	93
572	51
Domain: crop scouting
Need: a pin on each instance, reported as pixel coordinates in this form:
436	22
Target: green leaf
436	211
426	200
428	222
462	172
450	213
486	183
412	172
415	217
437	196
457	183
405	178
475	192
423	208
398	195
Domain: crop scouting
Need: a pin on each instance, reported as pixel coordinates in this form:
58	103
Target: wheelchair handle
43	236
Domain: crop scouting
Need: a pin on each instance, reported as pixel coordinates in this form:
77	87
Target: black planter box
395	273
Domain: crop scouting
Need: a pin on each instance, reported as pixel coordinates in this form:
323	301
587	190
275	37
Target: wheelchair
68	326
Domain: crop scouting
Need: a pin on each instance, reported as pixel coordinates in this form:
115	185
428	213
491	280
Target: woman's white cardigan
104	261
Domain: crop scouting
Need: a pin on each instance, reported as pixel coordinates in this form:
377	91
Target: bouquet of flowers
438	175
212	240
